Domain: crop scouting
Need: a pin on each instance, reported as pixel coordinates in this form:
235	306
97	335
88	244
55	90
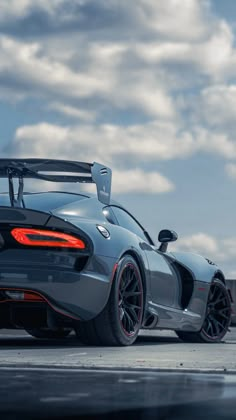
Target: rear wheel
120	321
218	316
47	333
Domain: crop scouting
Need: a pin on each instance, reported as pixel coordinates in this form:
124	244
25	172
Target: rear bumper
76	294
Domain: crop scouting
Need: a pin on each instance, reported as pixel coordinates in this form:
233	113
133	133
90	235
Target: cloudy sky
145	86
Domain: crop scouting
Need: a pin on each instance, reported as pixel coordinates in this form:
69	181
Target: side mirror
165	236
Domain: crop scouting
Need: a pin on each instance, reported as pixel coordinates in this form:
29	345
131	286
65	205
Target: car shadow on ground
26	342
152	339
37	343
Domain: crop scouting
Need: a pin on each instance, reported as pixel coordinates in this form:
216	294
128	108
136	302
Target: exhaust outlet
150	322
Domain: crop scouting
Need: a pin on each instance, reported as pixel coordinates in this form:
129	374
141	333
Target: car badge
103	231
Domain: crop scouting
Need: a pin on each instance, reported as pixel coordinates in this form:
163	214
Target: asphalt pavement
159	377
51	393
158	350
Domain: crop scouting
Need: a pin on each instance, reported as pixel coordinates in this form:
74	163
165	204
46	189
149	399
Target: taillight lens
22	295
47	238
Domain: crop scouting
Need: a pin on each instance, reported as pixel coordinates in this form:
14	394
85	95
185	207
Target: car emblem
103	231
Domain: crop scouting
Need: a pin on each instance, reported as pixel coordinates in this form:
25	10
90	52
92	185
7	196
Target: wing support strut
15	202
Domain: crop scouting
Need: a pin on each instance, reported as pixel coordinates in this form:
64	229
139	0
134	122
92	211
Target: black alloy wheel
121	319
218	312
130	299
217	318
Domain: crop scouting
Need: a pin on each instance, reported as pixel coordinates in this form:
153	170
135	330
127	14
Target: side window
126	221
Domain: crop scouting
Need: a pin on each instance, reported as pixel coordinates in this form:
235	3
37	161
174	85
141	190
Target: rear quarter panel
121	241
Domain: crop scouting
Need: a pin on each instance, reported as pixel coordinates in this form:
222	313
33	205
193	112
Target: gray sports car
77	261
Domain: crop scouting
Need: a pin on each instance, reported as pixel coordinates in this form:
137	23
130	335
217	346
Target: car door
164	280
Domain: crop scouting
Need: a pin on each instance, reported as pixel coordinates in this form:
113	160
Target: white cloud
213	55
179	19
73	112
13	9
217	54
138	143
38	74
110	145
120	71
200	243
217	106
28	64
217	143
139	181
135	181
114	144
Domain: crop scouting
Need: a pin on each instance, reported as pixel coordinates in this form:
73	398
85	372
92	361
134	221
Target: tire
121	319
47	333
217	319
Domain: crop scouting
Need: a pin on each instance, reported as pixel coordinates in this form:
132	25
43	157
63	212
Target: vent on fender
187	284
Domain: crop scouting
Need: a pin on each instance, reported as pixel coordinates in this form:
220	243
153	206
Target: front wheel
217	319
120	321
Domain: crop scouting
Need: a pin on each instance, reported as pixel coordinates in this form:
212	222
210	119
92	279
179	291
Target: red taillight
33	296
21	295
48	238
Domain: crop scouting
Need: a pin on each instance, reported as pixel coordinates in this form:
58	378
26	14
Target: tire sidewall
124	338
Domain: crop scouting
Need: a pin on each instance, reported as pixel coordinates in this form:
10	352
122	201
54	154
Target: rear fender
11	217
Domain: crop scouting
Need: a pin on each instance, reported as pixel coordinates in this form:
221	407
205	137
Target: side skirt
175	319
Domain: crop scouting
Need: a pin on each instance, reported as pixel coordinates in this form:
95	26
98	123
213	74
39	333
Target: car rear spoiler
55	171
